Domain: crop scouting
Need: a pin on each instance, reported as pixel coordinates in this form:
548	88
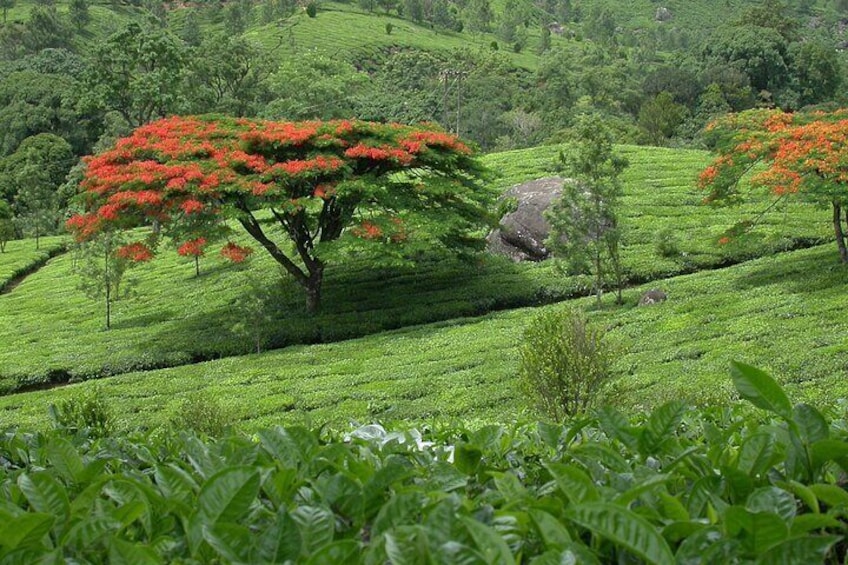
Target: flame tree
307	192
802	155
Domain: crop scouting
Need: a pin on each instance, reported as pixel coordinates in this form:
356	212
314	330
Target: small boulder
653	296
663	14
522	232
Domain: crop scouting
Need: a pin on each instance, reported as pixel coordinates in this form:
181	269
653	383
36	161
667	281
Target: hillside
782	312
173	318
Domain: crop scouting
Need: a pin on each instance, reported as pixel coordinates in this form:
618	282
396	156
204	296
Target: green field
55	333
781	312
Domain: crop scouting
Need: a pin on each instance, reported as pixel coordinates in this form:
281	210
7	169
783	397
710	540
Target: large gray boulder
523	231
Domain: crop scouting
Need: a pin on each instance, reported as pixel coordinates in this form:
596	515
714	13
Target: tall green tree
585	232
138	72
38	168
228	74
7	225
659	118
44	29
33	103
759	52
79	14
315	85
816	71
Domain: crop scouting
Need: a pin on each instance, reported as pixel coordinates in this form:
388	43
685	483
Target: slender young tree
584	222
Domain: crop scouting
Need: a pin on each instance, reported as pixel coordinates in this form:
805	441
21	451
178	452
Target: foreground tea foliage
716	486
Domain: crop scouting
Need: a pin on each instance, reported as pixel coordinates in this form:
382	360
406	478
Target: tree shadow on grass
359	301
799	271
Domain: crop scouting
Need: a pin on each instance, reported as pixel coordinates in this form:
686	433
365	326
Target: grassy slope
343	30
21	256
784	313
176	318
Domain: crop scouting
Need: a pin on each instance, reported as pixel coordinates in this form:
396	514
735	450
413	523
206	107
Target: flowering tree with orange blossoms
793	155
330	188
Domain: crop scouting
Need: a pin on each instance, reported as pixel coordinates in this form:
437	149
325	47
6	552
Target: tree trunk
840	235
313	289
108	287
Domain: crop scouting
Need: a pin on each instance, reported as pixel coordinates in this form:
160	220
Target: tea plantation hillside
783	312
55	333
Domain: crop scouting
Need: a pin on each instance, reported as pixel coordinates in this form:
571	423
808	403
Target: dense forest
76	75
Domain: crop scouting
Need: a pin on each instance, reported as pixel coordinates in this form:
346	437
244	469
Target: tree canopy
803	156
331	187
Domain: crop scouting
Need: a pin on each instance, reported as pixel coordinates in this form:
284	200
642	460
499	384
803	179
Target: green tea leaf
811	424
661	426
232	541
403	508
489	542
759	453
826	450
552	531
281	541
125	553
624	528
407	545
343	551
91	530
759	531
831	495
45	494
812	549
26	530
758	388
772	499
574	483
317	526
224	498
65	459
467	458
806	523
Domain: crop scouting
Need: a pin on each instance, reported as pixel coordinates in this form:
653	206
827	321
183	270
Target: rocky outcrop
524	229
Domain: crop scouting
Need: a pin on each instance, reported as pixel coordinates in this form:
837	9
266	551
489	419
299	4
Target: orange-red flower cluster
382	153
236	253
137	252
435	139
192	206
192	248
83	226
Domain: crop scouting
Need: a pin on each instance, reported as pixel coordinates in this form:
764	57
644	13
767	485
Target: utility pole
452	78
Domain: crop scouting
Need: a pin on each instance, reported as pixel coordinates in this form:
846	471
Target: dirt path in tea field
31	269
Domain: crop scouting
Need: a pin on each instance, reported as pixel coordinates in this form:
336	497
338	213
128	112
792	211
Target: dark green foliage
137	71
312	9
7	226
79	14
674	485
564	362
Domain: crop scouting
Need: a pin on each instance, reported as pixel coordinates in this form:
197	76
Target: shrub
88	414
312	9
563	362
667	243
202	414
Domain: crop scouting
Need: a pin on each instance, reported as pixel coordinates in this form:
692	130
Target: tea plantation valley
249	314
